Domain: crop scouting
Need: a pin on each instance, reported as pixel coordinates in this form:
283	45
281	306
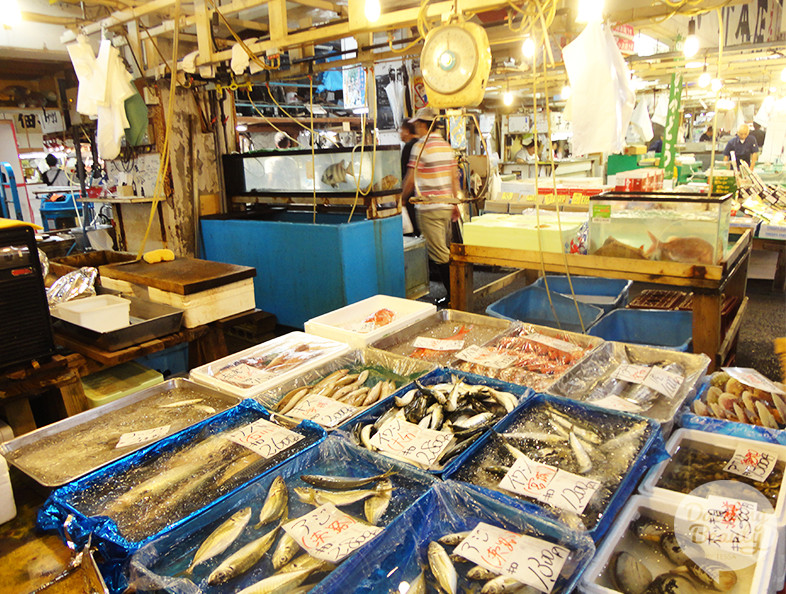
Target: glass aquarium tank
675	227
334	171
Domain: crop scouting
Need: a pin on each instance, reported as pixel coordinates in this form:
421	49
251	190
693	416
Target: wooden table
708	283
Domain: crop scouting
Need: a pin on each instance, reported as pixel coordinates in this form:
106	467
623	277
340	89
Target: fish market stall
576	460
343	388
642	380
465	541
150	492
280	530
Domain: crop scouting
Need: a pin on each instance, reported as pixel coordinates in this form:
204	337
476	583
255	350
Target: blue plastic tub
400	553
605	293
598	516
663	329
531	304
61	512
169	362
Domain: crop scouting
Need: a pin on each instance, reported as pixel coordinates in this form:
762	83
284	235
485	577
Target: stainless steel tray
148	321
61	452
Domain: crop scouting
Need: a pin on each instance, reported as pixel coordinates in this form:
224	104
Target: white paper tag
365	327
264	438
242	375
486	357
753	378
438	344
555	343
529	560
325	411
412	442
144	436
663	381
635	374
616	403
329	534
732	524
549	484
752	462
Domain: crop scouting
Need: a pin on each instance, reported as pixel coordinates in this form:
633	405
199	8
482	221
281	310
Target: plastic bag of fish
579	462
456	539
614	376
270	537
437	419
533	356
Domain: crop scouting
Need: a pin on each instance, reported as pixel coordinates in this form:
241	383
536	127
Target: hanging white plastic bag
641	123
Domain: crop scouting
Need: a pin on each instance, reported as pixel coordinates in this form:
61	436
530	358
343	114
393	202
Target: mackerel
275	503
278	583
243	559
219	540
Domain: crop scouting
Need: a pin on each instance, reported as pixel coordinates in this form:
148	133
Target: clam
734	387
670	583
672	549
749	402
717	410
701	409
713	393
780	405
766	415
629	575
740	413
727	401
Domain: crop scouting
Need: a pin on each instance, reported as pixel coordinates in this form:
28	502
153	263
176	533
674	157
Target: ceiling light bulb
565	92
691	46
528	47
590	11
507	98
241	127
10	13
717	84
373	10
705	79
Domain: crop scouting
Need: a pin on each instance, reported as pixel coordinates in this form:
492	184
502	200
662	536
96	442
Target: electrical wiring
406	48
286	113
252	56
263	116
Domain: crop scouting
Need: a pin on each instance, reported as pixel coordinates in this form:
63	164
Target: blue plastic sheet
439	376
614	490
400	554
67	504
690	420
154	566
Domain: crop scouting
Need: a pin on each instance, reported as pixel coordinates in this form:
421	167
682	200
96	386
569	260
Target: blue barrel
663	329
605	293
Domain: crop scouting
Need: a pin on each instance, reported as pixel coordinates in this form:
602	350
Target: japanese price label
616	403
549	484
531	561
753	378
325	411
264	438
137	437
487	357
658	379
405	439
732	524
330	534
635	374
438	344
752	462
555	343
242	375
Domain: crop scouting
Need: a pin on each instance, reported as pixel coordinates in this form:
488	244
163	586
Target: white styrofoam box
521	232
283	358
348	324
772	231
758	577
102	313
7	504
724	446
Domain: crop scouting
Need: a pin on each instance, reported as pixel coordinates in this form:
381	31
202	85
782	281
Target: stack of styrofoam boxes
7	505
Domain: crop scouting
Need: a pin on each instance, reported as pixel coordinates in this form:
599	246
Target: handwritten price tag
264	438
549	484
732	524
753	378
616	403
420	445
242	375
487	357
555	343
635	374
438	344
658	379
325	411
137	437
330	534
529	560
752	462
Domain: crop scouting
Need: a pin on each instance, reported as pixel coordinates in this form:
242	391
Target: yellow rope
262	115
717	98
313	143
286	113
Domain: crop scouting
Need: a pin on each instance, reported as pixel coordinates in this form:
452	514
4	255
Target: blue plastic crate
605	293
157	566
399	554
531	304
596	521
169	362
663	329
60	512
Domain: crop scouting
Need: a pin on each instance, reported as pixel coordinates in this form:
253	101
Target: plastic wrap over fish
606	378
209	554
79	283
405	558
577	460
44	262
150	492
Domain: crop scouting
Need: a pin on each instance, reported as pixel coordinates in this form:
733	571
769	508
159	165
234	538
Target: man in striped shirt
433	174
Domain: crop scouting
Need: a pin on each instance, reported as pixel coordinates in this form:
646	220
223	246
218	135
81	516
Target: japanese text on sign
264	438
658	379
330	534
752	462
731	525
438	344
555	343
549	484
614	402
753	378
486	356
137	437
531	561
420	445
242	375
322	410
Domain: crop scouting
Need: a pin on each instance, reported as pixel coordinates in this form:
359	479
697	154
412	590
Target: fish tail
655	244
348	169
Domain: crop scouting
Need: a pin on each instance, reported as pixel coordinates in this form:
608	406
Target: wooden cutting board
184	276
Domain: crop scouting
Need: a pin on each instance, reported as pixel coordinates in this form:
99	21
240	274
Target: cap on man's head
424	114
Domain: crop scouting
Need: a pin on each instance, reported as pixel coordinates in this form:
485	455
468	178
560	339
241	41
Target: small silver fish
582	457
275	503
243	559
442	567
339	498
376	506
337	174
535	436
278	583
219	540
342	482
480	574
454	538
181	403
285	550
306	562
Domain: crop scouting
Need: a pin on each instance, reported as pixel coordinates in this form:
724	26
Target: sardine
275	503
337	498
376	506
582	432
624	438
219	540
514	451
442	567
343	482
278	583
477	420
285	550
582	457
535	436
407	398
243	559
454	538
